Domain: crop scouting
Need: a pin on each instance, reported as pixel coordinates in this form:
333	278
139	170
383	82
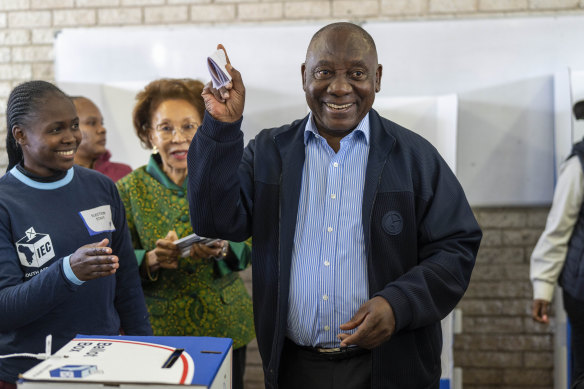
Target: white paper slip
184	244
216	63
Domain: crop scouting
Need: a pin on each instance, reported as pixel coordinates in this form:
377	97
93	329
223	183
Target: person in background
202	294
558	255
92	153
66	260
363	237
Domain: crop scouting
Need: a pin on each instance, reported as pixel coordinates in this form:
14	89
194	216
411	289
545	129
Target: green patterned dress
203	297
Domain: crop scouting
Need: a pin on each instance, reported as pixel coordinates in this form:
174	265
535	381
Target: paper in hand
216	64
184	244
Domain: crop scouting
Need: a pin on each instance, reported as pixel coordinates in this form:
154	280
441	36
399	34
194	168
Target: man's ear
378	78
19	135
303	71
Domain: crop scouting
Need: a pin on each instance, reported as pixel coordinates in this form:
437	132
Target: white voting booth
434	117
480	90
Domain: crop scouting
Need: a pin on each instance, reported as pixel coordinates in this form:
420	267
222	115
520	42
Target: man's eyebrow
359	63
322	62
356	63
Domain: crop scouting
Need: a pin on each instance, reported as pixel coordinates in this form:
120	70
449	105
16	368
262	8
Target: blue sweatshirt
41	225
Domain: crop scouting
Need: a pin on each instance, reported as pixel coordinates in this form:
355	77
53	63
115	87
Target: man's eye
75	126
358	74
322	73
166	129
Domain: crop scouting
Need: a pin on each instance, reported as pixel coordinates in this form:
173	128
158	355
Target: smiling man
363	239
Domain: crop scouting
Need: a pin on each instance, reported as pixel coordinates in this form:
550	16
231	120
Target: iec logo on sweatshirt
34	250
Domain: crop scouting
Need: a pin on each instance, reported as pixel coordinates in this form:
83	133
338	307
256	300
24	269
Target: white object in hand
216	63
184	244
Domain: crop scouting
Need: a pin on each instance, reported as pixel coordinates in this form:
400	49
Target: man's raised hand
226	103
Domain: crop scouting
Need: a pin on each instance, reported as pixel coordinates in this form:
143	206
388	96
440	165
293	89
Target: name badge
98	220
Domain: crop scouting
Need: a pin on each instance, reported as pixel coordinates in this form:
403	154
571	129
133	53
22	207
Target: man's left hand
376	324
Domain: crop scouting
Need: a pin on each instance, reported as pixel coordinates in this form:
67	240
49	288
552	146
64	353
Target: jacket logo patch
34	250
392	223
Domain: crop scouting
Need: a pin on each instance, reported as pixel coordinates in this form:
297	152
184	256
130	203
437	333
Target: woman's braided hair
22	107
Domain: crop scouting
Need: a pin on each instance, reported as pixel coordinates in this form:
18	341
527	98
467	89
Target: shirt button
333	196
330	229
184	218
336	164
180	193
326	328
327	263
325	297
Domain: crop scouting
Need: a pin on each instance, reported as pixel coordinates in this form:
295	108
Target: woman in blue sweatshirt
67	265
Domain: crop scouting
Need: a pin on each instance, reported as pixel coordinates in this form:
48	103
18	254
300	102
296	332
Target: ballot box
151	362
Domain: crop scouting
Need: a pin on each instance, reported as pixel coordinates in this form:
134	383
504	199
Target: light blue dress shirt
329	265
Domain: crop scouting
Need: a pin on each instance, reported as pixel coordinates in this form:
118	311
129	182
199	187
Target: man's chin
340	128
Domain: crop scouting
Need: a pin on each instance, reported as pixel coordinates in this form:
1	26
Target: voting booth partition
481	91
433	117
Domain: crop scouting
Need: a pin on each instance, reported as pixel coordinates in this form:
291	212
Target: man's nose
339	85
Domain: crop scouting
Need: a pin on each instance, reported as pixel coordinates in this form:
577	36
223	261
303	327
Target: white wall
501	69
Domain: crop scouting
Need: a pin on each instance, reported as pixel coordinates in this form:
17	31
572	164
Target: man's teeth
66	153
335	106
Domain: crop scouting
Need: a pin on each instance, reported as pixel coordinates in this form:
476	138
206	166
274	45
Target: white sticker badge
98	220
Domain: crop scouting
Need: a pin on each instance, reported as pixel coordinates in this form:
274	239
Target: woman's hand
216	249
165	254
94	261
226	103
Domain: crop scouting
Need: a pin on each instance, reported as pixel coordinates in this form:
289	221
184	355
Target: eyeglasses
167	130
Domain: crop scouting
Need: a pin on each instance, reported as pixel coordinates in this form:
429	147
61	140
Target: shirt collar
362	128
43	185
153	168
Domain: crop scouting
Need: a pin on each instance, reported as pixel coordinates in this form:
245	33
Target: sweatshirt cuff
543	290
69	272
400	305
221	131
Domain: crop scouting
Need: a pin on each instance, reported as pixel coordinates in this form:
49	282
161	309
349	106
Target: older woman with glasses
202	294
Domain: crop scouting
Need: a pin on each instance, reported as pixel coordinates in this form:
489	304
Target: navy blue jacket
421	236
